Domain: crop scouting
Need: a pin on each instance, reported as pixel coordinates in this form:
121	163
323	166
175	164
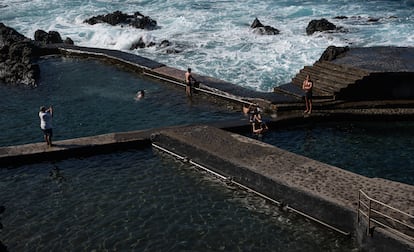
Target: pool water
381	149
91	98
143	200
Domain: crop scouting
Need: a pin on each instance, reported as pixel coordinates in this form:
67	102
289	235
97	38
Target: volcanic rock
136	20
47	38
18	53
319	25
333	52
261	29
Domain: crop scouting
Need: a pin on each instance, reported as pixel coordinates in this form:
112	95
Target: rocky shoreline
343	75
18	66
19	53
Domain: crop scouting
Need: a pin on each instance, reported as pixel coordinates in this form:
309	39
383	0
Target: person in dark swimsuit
307	87
189	81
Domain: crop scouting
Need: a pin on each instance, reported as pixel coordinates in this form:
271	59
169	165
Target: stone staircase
329	78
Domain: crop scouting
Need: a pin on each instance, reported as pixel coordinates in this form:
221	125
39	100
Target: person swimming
140	94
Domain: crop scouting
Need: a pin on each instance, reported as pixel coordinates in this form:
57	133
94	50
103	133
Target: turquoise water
144	201
214	37
381	149
91	98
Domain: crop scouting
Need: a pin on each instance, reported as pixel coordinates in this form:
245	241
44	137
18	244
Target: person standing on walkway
189	80
46	116
307	87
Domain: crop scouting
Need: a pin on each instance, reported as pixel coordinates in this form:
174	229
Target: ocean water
214	36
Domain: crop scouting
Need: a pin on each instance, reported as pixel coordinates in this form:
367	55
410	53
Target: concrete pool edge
234	168
272	102
331	209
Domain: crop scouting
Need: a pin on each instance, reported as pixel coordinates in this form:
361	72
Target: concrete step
340	76
324	83
329	79
318	75
342	68
290	89
324	90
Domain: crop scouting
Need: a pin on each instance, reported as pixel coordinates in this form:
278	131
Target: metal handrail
228	97
372	214
229	179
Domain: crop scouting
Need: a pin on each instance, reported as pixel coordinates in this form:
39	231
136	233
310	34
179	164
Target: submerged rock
261	29
165	45
136	20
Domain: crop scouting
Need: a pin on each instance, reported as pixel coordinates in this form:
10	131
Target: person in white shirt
46	116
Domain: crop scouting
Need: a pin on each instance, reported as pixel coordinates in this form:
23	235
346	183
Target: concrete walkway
319	190
77	147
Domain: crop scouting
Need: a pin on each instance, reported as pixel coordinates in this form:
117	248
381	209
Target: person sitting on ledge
258	126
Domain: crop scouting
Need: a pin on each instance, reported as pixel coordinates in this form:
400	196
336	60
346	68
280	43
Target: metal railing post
359	204
375	214
369	218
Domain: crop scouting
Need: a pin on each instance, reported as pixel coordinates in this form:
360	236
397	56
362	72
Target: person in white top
46	116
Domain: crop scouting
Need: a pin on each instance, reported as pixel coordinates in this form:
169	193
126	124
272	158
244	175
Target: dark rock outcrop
141	44
319	25
68	41
18	53
136	20
47	38
333	52
165	45
261	29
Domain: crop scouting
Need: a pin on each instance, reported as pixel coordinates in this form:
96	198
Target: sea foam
215	37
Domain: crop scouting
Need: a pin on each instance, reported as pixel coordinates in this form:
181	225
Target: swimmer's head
140	94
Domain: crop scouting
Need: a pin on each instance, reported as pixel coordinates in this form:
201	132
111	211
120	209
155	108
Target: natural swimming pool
91	98
143	200
381	149
108	99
